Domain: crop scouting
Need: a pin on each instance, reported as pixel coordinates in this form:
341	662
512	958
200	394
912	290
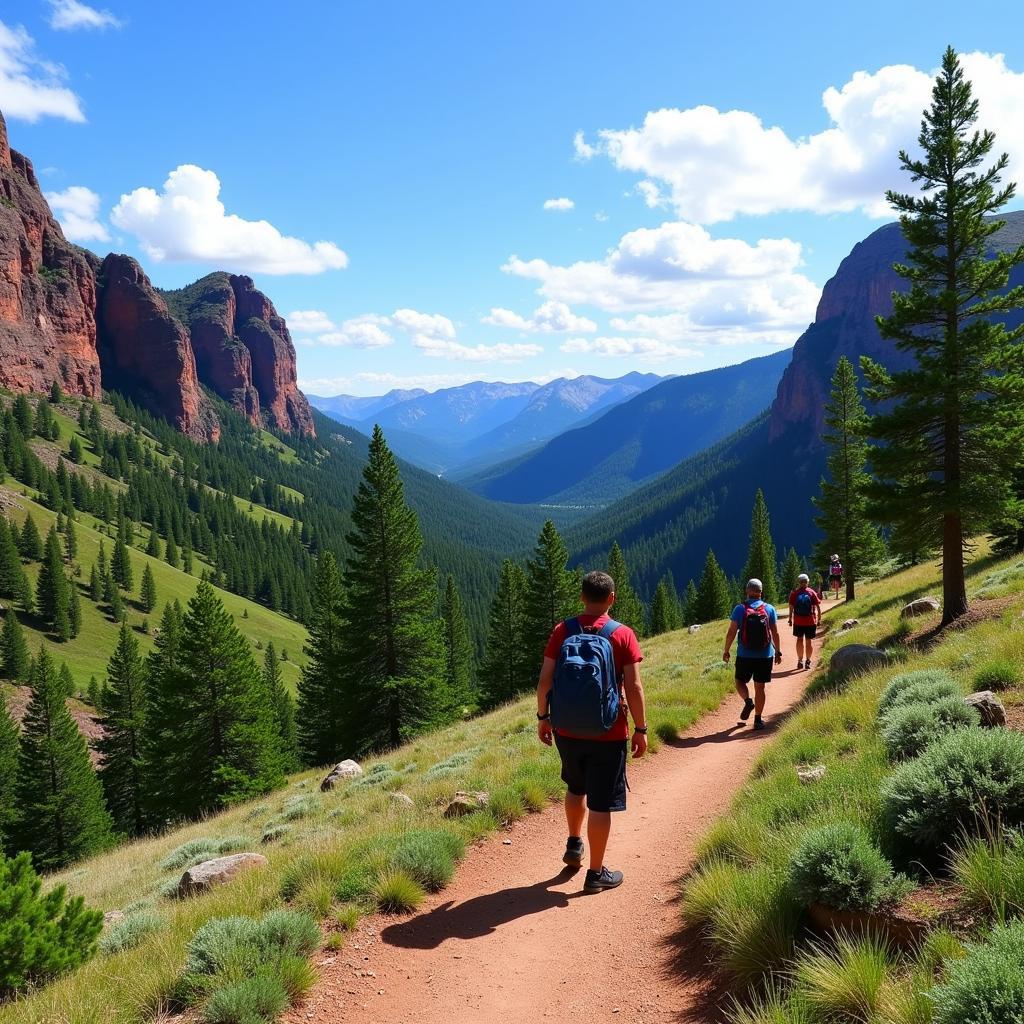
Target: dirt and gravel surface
514	938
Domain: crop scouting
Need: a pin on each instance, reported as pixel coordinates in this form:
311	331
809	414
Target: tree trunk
954	584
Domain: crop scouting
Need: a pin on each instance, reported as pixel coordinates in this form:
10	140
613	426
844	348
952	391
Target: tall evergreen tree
791	567
147	592
9	736
121	565
112	596
714	598
552	591
53	591
74	609
962	400
628	609
761	553
15	661
23	415
70	539
171	552
323	694
123	730
95	585
13	582
284	709
75	450
666	612
843	520
153	544
61	816
101	561
507	669
458	649
394	648
31	543
688	604
67	680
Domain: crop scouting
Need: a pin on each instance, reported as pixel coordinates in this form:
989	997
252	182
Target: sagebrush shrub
262	997
839	866
131	932
429	856
966	783
288	932
923	685
223	943
908	728
203	848
997	674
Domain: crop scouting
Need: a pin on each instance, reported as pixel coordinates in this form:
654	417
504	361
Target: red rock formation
146	352
47	294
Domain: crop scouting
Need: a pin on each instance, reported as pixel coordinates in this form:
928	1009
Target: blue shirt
737	616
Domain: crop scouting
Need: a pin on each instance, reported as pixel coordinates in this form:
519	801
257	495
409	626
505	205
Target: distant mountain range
461	429
637	440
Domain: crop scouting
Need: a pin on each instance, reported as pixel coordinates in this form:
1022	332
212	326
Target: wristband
643	731
544	718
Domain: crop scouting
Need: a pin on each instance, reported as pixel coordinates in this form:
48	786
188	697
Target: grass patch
397	892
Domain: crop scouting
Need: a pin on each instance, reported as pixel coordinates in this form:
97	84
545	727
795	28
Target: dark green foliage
839	866
74	609
14	657
628	608
75	450
714	600
53	591
552	591
153	544
392	657
43	422
507	669
23	415
70	539
254	1000
112	597
997	674
987	985
323	690
458	649
56	394
792	566
123	729
960	403
31	544
121	566
13	582
284	709
147	592
8	777
908	728
60	803
171	554
67	680
688	604
965	783
915	687
666	611
761	552
41	935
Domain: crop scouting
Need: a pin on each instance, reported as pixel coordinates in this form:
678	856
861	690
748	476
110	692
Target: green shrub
397	893
224	944
452	764
924	684
130	932
910	727
41	934
296	974
287	932
991	874
838	865
298	807
997	674
959	785
507	805
776	1005
248	1001
378	775
197	850
274	832
844	981
316	897
429	856
987	985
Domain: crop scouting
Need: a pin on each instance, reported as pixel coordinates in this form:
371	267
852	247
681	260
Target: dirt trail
513	938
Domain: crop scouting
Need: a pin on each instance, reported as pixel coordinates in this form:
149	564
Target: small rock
112	917
849	624
218	871
809	773
922	606
506	842
466	803
695	628
856	658
402	799
343	770
989	707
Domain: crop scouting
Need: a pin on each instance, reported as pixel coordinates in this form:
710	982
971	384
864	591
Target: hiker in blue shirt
758	651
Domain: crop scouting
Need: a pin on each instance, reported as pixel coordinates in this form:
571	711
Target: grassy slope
350	826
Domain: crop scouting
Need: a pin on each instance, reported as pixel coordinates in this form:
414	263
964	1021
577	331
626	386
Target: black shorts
758	669
595	769
807	632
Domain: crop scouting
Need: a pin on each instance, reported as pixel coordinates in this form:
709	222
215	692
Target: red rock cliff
146	352
47	295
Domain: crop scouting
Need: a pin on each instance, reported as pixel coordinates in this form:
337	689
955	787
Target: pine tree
171	552
147	593
53	597
961	401
31	543
714	595
323	693
666	612
121	565
95	585
552	592
761	553
43	422
92	694
75	450
284	709
123	728
101	561
394	647
70	539
60	803
67	680
56	394
15	661
153	544
507	668
791	567
688	604
458	649
843	519
13	582
112	596
8	778
74	610
628	608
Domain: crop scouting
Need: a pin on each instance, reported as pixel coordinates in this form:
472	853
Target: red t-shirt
804	620
625	651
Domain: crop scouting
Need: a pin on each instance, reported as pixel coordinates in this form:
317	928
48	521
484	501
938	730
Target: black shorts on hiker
595	769
805	632
758	669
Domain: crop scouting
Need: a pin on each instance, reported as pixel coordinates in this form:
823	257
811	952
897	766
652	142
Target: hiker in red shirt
589	680
804	617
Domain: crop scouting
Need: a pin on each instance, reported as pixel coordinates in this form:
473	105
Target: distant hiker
804	617
591	674
759	648
835	575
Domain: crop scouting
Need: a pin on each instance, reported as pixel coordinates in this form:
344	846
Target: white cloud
549	318
187	222
68	15
600	216
31	88
714	165
503	352
425	328
648	350
77	208
366	331
309	321
581	148
560	205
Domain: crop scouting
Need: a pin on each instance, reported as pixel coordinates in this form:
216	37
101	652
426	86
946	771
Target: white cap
755	584
803	578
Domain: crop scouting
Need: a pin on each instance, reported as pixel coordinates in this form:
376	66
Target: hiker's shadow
479	916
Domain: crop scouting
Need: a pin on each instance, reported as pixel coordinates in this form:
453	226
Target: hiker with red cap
759	649
804	617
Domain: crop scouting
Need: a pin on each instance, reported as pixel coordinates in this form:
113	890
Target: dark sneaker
799	664
748	707
573	852
598	881
807	663
758	722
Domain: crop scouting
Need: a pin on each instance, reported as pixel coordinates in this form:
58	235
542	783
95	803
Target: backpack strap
608	628
572	627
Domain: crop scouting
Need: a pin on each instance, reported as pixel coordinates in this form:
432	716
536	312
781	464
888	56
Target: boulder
694	628
849	624
201	877
808	773
989	707
855	658
466	803
342	770
922	606
402	799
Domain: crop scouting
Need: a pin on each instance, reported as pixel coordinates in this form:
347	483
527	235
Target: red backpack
755	632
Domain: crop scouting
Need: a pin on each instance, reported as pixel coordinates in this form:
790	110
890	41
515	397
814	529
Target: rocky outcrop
339	773
856	658
990	709
220	871
921	606
47	295
146	352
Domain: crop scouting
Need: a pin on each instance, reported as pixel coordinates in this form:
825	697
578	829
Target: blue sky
719	163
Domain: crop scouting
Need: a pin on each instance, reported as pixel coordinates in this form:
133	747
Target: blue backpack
585	692
804	605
